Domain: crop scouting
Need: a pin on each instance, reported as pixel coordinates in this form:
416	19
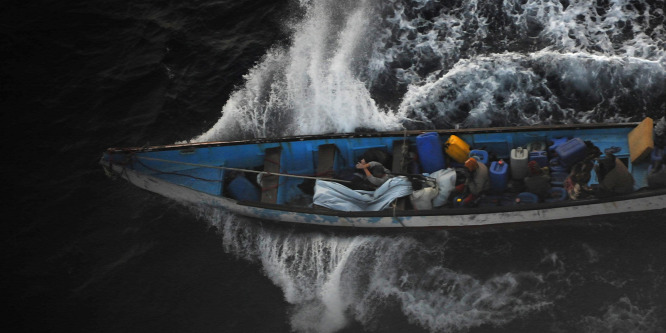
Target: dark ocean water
84	253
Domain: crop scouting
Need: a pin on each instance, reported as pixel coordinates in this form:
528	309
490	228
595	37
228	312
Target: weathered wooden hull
441	218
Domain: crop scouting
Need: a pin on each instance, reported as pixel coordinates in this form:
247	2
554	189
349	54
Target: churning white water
332	279
389	64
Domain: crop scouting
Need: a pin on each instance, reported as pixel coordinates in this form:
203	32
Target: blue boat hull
196	174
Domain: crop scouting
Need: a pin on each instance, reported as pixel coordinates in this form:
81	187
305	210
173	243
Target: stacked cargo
550	160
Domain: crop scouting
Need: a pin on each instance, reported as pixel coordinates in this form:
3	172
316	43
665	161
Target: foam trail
332	280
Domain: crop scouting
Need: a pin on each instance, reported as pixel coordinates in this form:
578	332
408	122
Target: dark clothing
376	155
538	184
617	179
657	177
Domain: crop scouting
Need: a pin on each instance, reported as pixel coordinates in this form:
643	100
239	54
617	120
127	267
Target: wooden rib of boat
201	174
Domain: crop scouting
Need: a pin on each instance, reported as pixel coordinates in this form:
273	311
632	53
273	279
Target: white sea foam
330	280
511	88
621	28
623	316
432	65
314	86
382	64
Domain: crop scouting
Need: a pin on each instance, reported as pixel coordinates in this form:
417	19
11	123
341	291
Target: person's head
534	169
609	159
377	171
471	164
606	164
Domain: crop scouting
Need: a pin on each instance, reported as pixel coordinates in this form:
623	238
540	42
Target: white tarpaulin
339	197
446	182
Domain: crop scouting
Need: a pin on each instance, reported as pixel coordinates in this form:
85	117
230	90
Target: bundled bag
425	189
446	183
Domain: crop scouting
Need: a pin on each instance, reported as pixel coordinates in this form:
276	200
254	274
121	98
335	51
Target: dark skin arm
364	166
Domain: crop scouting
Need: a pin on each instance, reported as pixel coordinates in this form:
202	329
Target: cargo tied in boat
308	179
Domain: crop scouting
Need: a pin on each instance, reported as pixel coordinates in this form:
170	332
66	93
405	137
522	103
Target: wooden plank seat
326	160
270	183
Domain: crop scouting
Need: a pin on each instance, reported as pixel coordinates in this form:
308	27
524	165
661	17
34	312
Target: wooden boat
202	174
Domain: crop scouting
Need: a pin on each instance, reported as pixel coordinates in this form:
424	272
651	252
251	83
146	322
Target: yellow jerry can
457	149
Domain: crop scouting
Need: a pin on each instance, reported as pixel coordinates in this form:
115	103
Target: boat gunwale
409	133
442	212
638	194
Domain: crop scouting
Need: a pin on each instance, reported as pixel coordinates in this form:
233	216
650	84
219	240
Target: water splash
314	86
383	65
331	280
542	87
426	64
618	27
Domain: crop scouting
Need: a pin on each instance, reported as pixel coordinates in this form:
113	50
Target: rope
395	205
405	152
179	174
239	169
403	167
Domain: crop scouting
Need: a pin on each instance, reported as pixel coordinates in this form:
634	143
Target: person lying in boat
374	173
614	177
538	180
476	183
657	176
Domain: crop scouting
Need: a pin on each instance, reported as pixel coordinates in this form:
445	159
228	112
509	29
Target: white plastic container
519	158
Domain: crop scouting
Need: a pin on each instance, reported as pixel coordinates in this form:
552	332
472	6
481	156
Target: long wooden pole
242	170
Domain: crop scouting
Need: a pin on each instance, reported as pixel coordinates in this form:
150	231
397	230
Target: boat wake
453	282
388	65
331	280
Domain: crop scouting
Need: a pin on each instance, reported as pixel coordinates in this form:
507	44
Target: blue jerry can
527	198
571	152
480	155
499	176
555	166
541	157
556	194
557	178
556	143
458	201
431	155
